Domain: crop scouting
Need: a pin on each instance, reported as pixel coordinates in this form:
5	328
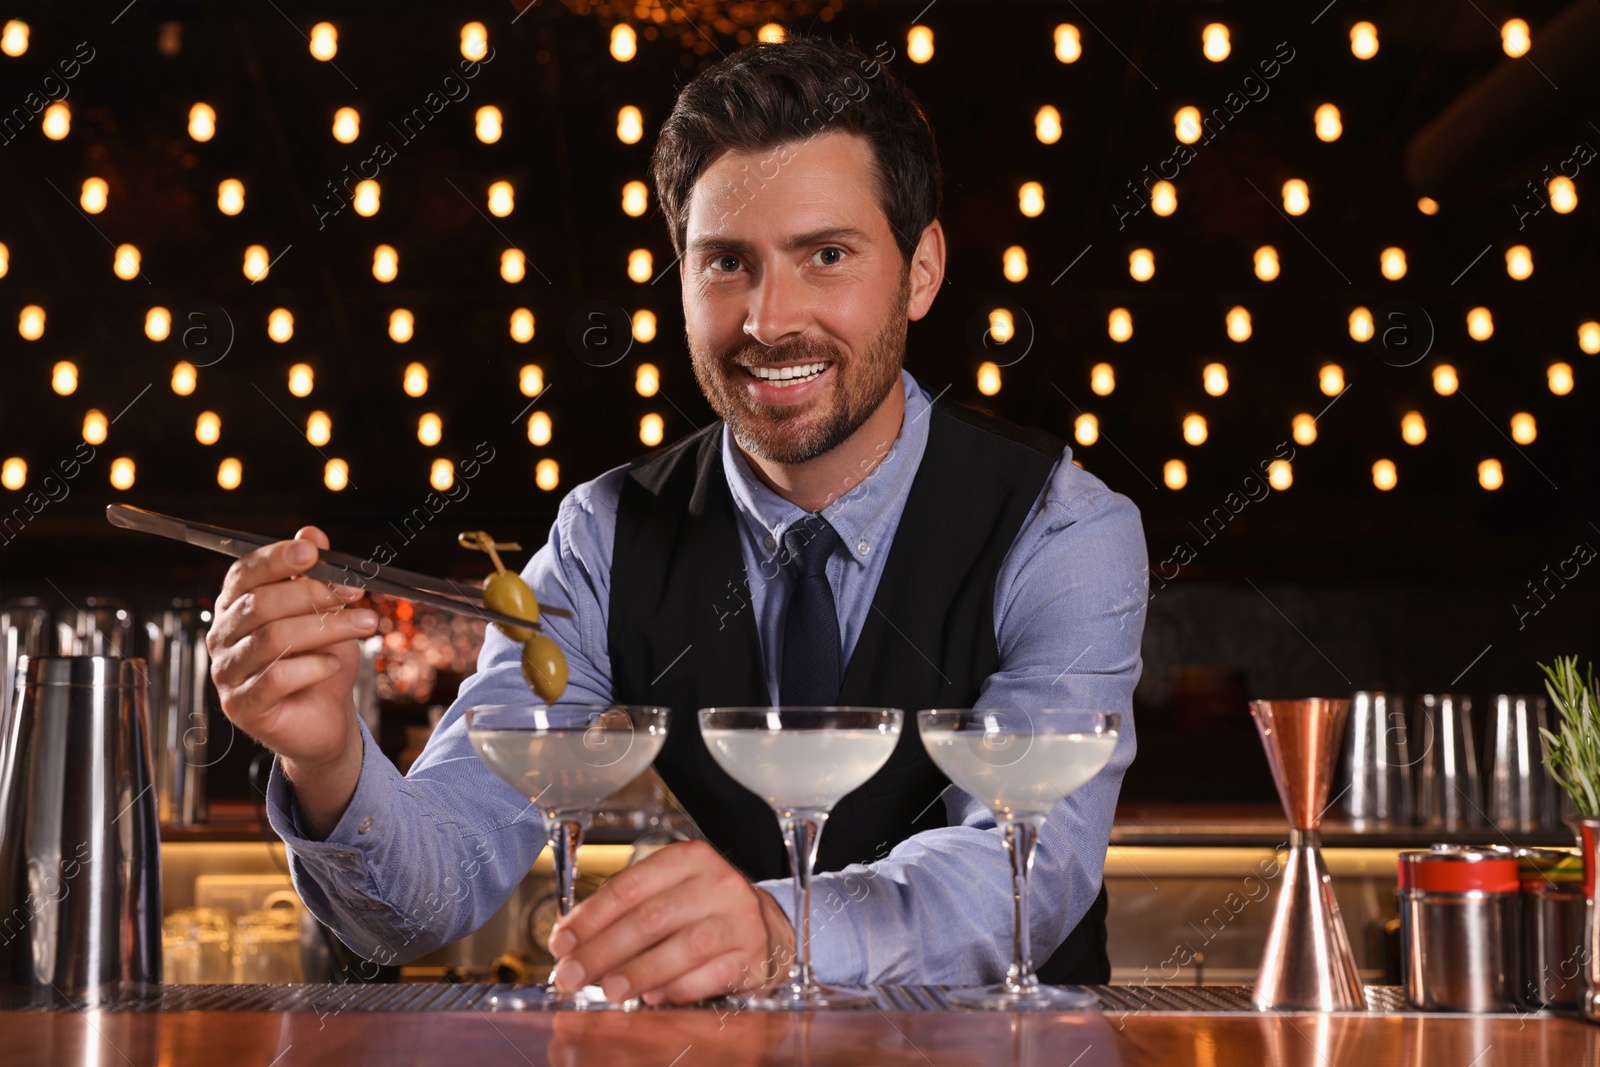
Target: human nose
778	308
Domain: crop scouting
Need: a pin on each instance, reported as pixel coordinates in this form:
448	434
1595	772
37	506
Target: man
961	561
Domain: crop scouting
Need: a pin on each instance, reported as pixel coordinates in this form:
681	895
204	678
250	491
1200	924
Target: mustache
767	357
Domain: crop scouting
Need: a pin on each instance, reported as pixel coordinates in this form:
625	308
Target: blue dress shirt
420	860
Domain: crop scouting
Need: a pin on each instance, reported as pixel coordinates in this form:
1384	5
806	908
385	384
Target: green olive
508	594
544	667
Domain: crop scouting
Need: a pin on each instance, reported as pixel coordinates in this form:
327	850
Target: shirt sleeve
420	860
1069	614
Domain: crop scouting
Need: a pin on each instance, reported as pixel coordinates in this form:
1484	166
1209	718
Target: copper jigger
1307	964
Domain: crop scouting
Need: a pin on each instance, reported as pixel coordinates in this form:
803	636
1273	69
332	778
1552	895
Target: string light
402	325
1328	124
280	325
30	323
14	473
1304	428
771	33
1047	125
1563	194
1214	42
1086	429
1186	124
93	196
256	262
1480	324
547	474
640	265
184	377
522	327
1589	337
1364	40
1523	428
368	198
988	378
441	474
1361	325
57	122
1280	475
1119	324
1266	260
1392	261
647	380
1002	326
919	44
415	380
635	199
1515	38
1296	196
319	428
95	426
1490	475
1445	382
1215	378
488	124
385	263
324	42
122	473
64	377
1519	262
336	474
14	38
652	428
1194	428
125	263
1015	263
630	124
202	122
1330	379
208	428
1030	199
430	428
1141	264
644	326
1428	205
230	472
1384	475
1175	474
230	196
513	265
301	379
5	260
1069	46
1238	324
501	199
1102	379
1413	429
474	41
1163	198
530	380
346	125
1559	377
624	42
539	429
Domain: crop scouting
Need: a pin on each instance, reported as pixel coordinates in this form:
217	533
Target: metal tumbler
103	626
80	877
24	631
1520	795
1448	794
1460	929
1377	761
182	698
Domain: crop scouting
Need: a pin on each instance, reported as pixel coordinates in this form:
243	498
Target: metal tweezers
339	567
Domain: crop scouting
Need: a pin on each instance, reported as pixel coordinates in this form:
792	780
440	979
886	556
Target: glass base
792	998
1001	997
548	998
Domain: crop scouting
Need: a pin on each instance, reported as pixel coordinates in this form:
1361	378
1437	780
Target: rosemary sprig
1573	753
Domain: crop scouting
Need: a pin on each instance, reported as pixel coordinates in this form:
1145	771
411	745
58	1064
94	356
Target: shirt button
863	548
364	825
771	542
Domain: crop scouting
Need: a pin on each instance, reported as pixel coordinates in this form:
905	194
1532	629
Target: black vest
682	634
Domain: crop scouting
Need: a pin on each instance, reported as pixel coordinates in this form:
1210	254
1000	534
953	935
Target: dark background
1323	588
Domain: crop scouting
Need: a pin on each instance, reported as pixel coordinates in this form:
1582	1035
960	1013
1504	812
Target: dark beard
753	425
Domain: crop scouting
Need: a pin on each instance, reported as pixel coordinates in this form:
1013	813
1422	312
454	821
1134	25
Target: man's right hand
284	659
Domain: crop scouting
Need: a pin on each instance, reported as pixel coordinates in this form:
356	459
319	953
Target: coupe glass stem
566	834
1021	835
801	831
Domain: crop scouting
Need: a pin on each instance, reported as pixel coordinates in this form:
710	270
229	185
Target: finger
237	663
268	603
278	680
630	888
648	923
313	534
720	976
688	949
269	563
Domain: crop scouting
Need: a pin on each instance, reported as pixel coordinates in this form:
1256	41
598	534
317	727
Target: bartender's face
792	269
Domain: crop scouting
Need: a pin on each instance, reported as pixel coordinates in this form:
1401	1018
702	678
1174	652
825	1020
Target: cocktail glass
565	758
802	761
1019	764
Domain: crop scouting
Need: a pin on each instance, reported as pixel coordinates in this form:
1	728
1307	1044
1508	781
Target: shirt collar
867	513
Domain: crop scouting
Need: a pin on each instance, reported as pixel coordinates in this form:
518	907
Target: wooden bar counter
321	1030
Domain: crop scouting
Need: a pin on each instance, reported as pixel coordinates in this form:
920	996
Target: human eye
716	262
830	249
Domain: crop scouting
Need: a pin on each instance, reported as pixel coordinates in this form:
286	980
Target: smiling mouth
790	375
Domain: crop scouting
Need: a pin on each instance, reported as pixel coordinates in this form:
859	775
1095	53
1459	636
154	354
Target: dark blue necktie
811	669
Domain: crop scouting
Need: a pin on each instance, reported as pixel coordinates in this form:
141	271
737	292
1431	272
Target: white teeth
788	375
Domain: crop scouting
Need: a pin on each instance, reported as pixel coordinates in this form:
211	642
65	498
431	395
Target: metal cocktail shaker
1377	760
181	703
80	877
1448	793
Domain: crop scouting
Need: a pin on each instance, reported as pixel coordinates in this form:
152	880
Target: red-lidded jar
1459	928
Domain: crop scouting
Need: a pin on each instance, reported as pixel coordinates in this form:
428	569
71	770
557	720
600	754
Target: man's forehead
779	193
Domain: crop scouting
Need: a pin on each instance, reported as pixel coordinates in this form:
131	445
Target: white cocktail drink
1053	766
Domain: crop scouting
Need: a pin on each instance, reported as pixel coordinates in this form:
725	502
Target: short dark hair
768	95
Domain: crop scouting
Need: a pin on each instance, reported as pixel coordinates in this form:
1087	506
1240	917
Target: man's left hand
679	926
